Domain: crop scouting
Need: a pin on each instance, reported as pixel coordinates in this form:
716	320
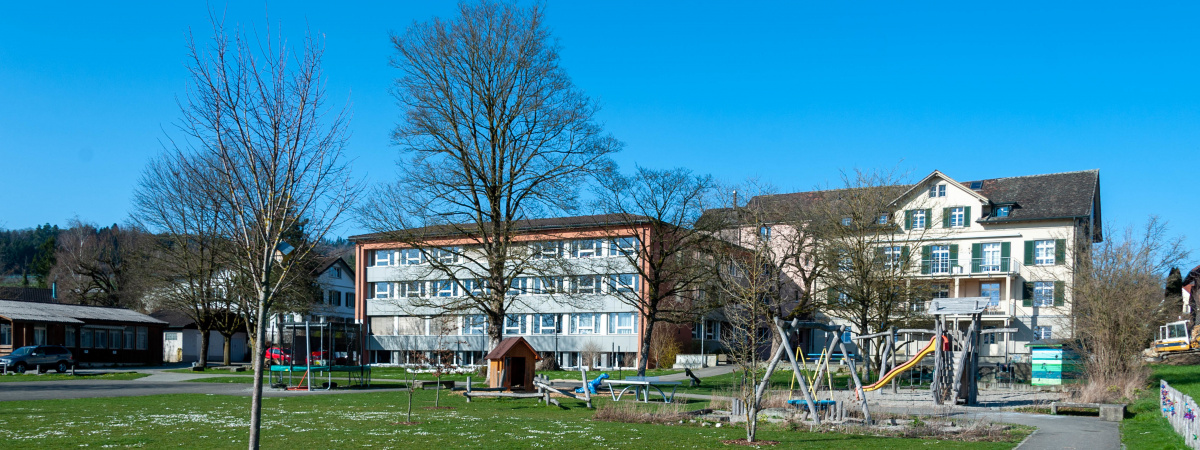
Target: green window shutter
908	219
929	218
1060	251
1027	294
904	255
1059	293
1029	253
966	216
976	257
945	217
953	256
926	254
1005	255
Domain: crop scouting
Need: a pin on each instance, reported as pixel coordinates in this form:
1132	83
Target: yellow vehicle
1174	337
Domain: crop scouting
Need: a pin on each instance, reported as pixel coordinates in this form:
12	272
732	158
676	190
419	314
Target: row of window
582	284
919	219
514	324
338	298
989	257
579	248
128	338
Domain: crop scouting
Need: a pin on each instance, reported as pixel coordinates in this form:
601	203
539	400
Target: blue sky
788	92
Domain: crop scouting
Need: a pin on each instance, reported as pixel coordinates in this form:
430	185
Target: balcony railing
993	265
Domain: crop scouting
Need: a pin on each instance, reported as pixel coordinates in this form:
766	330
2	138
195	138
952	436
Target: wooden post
973	388
468	393
787	343
892	345
587	394
854	374
935	385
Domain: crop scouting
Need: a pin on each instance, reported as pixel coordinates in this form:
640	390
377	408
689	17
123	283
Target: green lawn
374	419
30	376
1144	426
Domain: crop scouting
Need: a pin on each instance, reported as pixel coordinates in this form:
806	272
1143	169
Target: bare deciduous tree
1117	299
668	264
100	266
494	133
259	140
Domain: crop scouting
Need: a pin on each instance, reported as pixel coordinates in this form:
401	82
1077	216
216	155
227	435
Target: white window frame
623	246
547	249
410	289
410	257
1043	332
514	329
446	255
918	221
383	257
548	285
518	286
585	323
540	325
990	259
586	284
474	324
937	190
958	216
623	282
939	259
940	290
993	300
1043	293
893	256
445	288
1043	252
622	323
587	248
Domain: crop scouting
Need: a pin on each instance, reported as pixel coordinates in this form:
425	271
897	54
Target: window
847	337
940	263
142	340
1002	211
918	219
626	246
445	255
337	272
1043	252
845	263
586	248
114	339
347	300
547	250
940	291
518	286
893	256
990	258
39	336
474	324
544	323
411	256
381	290
843	299
846	221
5	334
445	288
625	282
85	338
957	217
587	284
937	190
548	285
68	336
764	233
477	286
883	219
1043	293
1043	332
383	257
976	185
916	306
712	329
622	323
410	289
514	324
586	323
992	292
989	338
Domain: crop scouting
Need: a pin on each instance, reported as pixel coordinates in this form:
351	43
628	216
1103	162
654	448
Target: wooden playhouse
511	365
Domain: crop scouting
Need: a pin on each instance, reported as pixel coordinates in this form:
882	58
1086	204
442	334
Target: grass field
1144	427
374	420
29	376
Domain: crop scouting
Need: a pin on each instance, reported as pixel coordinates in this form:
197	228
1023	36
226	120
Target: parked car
42	357
276	355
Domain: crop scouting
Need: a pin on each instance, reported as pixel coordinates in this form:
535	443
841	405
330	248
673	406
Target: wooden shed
511	364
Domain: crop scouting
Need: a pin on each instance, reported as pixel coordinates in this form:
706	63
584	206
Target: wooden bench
1112	412
446	384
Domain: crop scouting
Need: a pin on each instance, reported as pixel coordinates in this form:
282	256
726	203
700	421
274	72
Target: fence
1180	411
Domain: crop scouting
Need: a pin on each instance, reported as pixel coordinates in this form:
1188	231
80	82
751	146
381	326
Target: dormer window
937	190
1002	211
883	219
976	185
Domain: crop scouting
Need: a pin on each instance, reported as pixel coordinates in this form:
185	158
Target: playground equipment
593	385
316	349
912	362
785	329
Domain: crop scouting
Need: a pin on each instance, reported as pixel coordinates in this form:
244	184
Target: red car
276	355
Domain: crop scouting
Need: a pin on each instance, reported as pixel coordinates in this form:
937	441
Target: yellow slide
907	365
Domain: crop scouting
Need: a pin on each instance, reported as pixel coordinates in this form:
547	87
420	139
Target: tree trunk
203	357
228	350
259	339
644	356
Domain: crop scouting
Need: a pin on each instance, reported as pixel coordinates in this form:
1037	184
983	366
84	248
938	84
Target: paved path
701	373
1053	432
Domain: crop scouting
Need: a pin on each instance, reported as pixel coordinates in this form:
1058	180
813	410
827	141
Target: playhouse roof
506	347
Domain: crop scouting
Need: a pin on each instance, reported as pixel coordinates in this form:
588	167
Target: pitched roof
552	223
25	294
54	312
507	345
329	262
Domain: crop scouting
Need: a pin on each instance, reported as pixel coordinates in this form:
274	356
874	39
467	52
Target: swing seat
820	404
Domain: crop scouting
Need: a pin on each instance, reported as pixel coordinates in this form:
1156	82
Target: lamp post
557	325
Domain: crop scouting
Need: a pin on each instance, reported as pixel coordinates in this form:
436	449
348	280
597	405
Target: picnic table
641	386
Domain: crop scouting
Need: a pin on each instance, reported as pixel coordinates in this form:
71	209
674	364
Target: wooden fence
1180	410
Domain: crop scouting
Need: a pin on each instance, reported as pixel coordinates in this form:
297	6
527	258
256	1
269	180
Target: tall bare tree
869	252
668	264
494	133
258	138
100	266
186	251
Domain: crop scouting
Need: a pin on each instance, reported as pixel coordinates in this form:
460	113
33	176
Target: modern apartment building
574	304
1012	240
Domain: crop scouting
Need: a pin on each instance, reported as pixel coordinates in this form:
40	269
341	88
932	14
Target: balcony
993	266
